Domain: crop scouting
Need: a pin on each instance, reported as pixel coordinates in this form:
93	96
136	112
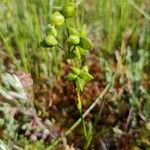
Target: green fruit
51	30
73	40
85	43
49	41
69	10
57	19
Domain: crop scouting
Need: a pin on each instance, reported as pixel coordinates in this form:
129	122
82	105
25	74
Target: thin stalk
76	19
66	28
98	101
60	47
80	111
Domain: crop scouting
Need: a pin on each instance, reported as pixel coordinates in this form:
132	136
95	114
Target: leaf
85	76
82	51
85	68
72	31
71	77
134	102
85	43
77	53
83	31
75	70
80	84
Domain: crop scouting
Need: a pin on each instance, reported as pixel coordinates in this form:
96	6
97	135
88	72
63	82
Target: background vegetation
120	32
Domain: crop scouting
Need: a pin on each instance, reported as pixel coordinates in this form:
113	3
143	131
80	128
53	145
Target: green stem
80	110
76	19
66	28
98	101
60	47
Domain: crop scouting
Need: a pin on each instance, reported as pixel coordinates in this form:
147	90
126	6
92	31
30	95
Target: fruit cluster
78	43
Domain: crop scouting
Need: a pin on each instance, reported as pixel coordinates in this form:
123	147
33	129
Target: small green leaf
82	51
77	53
85	43
134	102
85	76
71	77
75	70
85	68
83	31
80	84
72	31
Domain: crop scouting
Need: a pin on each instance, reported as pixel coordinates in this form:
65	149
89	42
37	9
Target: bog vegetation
74	74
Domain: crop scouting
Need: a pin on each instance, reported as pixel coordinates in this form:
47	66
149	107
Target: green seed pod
51	30
49	41
73	40
57	19
85	43
69	10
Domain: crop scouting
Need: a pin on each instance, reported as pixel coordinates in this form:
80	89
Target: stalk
98	101
79	105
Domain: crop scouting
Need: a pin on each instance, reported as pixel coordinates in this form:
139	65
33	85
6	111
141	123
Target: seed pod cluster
78	43
58	19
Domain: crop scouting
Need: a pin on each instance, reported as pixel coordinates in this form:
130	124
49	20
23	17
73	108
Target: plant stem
80	111
60	47
98	101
